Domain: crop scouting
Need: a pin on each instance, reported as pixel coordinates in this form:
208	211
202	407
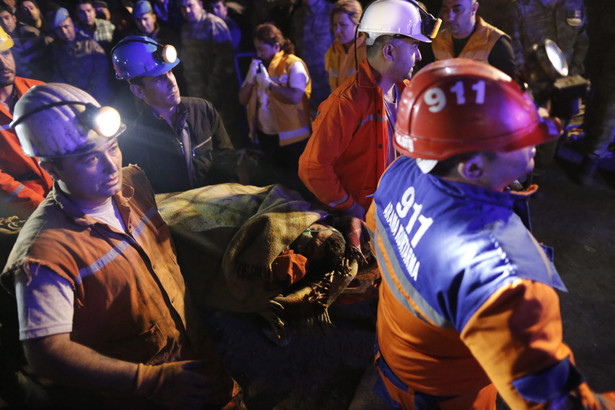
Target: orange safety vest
292	120
478	47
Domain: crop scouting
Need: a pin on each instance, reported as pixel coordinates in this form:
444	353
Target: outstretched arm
62	360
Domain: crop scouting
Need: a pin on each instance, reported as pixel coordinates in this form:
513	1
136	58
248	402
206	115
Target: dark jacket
158	149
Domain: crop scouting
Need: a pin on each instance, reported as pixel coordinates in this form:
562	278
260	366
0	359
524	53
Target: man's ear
474	8
388	51
472	169
137	90
51	170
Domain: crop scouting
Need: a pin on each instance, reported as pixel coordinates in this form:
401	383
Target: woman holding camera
276	91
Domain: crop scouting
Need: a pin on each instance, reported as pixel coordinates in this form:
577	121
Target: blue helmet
137	56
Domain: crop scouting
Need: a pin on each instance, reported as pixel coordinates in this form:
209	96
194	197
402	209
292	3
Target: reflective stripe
14	193
427	312
286	135
372	117
117	250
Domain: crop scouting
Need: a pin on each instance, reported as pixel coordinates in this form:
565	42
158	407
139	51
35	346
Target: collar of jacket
75	213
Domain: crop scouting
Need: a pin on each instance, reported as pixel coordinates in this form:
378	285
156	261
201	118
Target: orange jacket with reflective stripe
347	151
23	183
129	291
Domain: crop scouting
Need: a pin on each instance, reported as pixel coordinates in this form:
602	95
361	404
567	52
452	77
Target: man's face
343	27
160	91
219	9
30	11
147	23
459	16
87	14
7	68
66	31
8	21
406	56
191	10
91	178
507	167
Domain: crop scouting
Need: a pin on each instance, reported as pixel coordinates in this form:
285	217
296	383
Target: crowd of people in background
218	44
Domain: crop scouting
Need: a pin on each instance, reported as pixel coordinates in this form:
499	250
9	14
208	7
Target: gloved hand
262	78
355	210
251	74
177	385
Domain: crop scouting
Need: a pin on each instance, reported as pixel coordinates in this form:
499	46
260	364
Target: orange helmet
461	105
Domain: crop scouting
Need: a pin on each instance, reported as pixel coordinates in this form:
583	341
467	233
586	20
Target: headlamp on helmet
106	121
168	54
137	56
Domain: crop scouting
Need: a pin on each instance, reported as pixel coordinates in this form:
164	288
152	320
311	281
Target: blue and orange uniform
467	302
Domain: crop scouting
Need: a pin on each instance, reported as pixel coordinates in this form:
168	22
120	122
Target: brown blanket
227	237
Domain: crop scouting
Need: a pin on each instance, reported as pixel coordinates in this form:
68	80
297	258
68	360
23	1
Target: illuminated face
192	10
459	16
8	21
92	178
160	91
87	14
407	55
507	167
146	23
220	9
265	51
344	28
66	31
7	68
31	13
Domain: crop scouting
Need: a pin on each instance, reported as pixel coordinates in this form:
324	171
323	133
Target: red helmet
462	105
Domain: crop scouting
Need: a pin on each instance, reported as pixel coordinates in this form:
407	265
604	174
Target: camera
545	77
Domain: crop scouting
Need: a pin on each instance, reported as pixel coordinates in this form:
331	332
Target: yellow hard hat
6	41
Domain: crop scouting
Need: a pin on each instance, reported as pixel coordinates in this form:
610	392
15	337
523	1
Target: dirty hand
176	385
262	77
272	315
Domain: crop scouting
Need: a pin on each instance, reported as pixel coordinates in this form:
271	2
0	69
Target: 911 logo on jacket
407	237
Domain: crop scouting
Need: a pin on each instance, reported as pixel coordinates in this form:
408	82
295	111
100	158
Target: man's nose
108	163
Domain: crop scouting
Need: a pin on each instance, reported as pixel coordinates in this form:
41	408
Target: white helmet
391	17
54	120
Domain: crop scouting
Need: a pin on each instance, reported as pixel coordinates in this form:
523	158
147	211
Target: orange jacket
23	183
347	151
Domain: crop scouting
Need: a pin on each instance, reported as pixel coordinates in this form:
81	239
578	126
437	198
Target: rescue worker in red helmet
351	144
467	304
102	303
